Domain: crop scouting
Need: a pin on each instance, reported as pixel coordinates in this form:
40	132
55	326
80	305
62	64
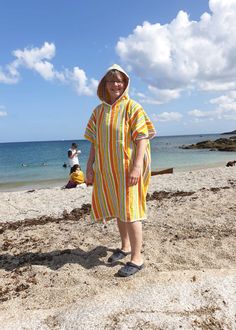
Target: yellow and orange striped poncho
113	130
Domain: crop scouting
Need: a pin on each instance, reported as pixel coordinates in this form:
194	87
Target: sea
31	165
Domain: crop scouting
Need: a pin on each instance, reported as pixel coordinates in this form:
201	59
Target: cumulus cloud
225	108
9	76
81	83
164	95
185	53
199	113
39	60
36	59
167	116
158	96
226	105
31	58
226	102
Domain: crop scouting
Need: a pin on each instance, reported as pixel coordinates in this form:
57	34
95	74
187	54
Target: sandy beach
54	273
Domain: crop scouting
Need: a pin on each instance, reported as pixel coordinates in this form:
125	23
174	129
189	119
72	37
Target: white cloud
226	105
216	86
11	76
185	53
217	114
199	116
225	108
164	95
38	60
167	116
159	96
3	112
198	113
226	102
80	82
30	56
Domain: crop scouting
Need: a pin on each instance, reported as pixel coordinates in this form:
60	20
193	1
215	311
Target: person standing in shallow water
119	165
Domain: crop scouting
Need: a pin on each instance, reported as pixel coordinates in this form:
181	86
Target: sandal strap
131	264
117	255
122	252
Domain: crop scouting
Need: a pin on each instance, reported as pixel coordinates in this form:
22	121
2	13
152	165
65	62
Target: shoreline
41	184
53	201
59	183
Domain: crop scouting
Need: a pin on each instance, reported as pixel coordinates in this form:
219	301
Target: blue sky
180	55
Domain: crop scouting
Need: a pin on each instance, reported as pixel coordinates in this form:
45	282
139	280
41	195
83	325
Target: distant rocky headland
229	133
221	144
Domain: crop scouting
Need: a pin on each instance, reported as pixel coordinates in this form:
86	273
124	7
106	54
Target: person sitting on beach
76	177
119	164
73	155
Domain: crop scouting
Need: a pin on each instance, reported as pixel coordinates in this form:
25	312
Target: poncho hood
101	91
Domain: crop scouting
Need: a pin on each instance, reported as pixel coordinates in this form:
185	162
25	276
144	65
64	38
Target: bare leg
125	242
134	230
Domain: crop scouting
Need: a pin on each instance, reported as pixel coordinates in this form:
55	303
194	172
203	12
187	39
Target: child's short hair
75	168
74	145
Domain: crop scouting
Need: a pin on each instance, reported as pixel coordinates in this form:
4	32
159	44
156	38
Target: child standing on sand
119	164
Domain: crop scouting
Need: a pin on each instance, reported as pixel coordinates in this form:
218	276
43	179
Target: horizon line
62	140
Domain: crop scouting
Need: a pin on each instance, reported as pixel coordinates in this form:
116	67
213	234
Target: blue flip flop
129	269
118	254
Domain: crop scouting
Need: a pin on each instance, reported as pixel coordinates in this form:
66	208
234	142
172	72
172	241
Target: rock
221	144
231	163
233	132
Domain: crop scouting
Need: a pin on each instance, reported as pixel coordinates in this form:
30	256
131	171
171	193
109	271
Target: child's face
115	86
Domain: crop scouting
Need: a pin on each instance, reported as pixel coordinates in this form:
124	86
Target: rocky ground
221	144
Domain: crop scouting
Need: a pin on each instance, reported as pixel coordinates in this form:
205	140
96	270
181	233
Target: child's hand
89	177
134	175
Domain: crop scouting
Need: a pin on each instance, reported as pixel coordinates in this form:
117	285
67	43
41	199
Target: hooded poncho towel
113	129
